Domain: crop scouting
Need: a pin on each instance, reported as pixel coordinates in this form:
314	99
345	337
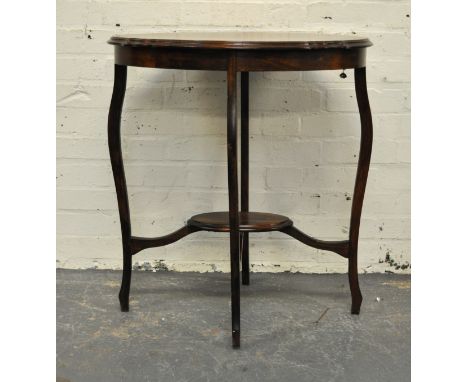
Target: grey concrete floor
178	328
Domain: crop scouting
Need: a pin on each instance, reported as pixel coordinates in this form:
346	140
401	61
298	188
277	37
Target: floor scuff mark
322	315
399	284
76	95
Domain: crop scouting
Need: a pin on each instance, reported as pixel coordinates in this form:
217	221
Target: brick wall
304	138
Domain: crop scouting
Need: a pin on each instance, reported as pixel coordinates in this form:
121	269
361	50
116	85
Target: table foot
245	258
236	339
124	294
356	304
356	295
124	304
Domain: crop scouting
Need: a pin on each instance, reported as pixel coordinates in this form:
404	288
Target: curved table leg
233	197
115	150
245	173
360	185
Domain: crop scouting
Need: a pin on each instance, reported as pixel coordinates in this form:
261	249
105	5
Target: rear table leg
233	197
245	172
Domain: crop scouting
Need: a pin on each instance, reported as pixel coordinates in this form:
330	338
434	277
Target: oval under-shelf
248	221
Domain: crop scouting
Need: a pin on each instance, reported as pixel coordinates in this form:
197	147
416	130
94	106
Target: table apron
246	60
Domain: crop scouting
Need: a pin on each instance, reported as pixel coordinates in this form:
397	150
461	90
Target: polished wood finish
339	247
233	197
360	185
242	53
138	244
242	40
245	174
255	51
248	222
115	150
247	60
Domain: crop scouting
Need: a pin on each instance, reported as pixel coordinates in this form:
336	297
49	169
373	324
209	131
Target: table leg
245	172
115	150
233	197
360	185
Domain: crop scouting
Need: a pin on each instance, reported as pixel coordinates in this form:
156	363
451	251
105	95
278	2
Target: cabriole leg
360	185
245	172
115	150
233	198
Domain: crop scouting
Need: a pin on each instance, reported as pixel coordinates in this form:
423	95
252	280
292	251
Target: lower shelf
248	222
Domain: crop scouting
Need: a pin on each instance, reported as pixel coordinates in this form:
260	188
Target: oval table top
243	40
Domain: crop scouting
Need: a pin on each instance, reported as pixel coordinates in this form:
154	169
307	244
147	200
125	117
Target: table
242	52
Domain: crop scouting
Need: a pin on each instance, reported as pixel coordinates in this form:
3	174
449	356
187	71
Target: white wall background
304	138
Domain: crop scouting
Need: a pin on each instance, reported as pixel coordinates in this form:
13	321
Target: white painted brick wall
304	137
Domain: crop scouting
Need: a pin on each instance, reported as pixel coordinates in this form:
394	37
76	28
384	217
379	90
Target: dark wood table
242	52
